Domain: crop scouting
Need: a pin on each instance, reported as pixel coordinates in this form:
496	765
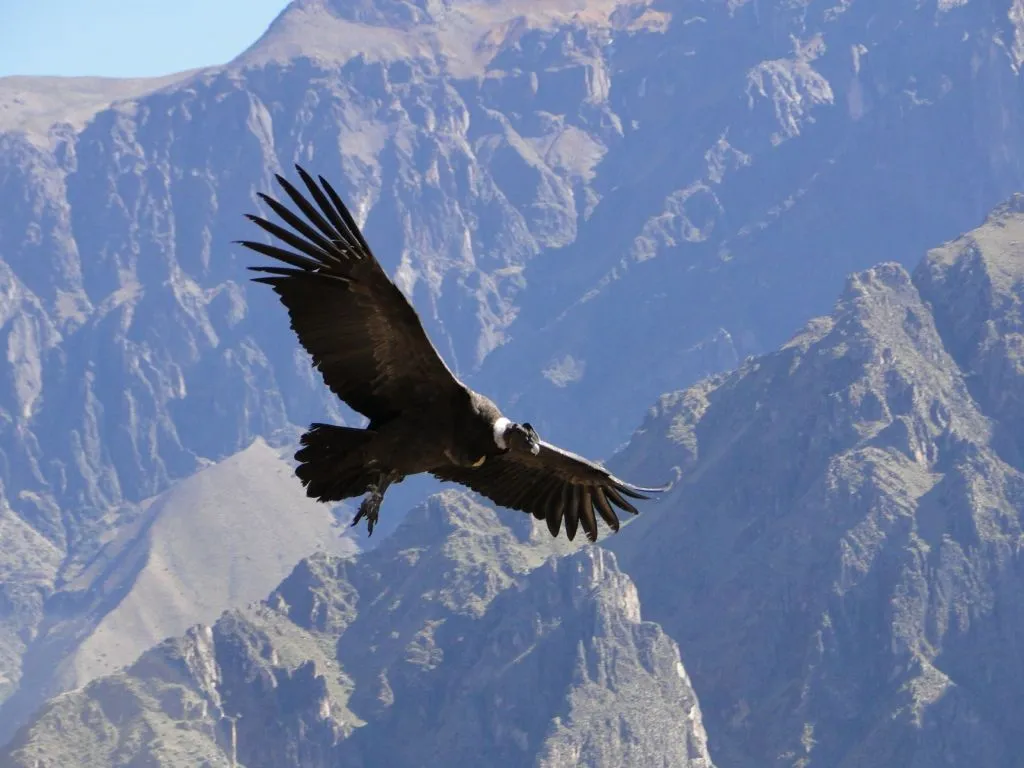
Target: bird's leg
370	506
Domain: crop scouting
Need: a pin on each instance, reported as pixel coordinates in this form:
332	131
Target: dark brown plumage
370	347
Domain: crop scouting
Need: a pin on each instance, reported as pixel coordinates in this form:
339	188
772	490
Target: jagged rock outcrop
449	633
973	285
223	537
840	559
559	671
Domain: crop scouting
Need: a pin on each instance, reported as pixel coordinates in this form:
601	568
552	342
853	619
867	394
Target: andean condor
368	343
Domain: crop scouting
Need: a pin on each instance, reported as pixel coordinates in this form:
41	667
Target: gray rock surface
225	536
840	558
455	633
768	150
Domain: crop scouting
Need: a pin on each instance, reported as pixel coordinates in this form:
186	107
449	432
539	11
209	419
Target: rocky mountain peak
464	37
975	285
390	13
573	626
858	501
543	665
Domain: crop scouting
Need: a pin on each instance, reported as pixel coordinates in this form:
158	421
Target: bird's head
523	437
511	436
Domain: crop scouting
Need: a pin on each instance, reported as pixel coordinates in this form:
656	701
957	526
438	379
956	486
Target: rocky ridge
843	544
225	536
534	661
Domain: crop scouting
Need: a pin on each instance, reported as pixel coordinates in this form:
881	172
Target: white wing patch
499	432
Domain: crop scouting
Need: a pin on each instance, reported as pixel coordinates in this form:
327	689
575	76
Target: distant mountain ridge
45	109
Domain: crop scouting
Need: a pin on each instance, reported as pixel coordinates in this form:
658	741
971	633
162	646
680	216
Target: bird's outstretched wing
553	485
363	335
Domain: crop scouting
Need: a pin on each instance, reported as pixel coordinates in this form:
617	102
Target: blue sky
126	38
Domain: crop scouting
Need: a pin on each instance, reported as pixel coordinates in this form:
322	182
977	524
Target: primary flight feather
367	341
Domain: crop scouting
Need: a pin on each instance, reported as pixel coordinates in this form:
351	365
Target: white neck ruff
499	432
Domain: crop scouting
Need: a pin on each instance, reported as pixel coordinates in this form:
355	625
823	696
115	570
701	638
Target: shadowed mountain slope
453	633
841	558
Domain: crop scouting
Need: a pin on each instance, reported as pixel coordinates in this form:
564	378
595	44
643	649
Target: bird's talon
369	509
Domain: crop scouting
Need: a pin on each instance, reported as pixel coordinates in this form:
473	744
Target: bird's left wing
553	485
365	338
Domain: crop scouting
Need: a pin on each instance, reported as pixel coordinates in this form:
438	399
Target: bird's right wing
554	485
363	335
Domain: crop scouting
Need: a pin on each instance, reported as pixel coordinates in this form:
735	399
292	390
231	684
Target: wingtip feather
639	491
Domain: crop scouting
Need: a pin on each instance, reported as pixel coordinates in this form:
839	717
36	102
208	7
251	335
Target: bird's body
430	439
369	345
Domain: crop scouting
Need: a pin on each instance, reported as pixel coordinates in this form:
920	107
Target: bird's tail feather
331	462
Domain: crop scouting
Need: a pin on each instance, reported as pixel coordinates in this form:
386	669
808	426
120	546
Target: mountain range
837	569
591	205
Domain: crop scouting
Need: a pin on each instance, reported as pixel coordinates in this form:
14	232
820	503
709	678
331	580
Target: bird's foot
369	509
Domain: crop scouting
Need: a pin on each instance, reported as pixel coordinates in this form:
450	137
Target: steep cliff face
973	285
840	560
769	149
559	671
449	634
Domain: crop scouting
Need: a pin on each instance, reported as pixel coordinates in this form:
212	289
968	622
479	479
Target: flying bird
369	345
